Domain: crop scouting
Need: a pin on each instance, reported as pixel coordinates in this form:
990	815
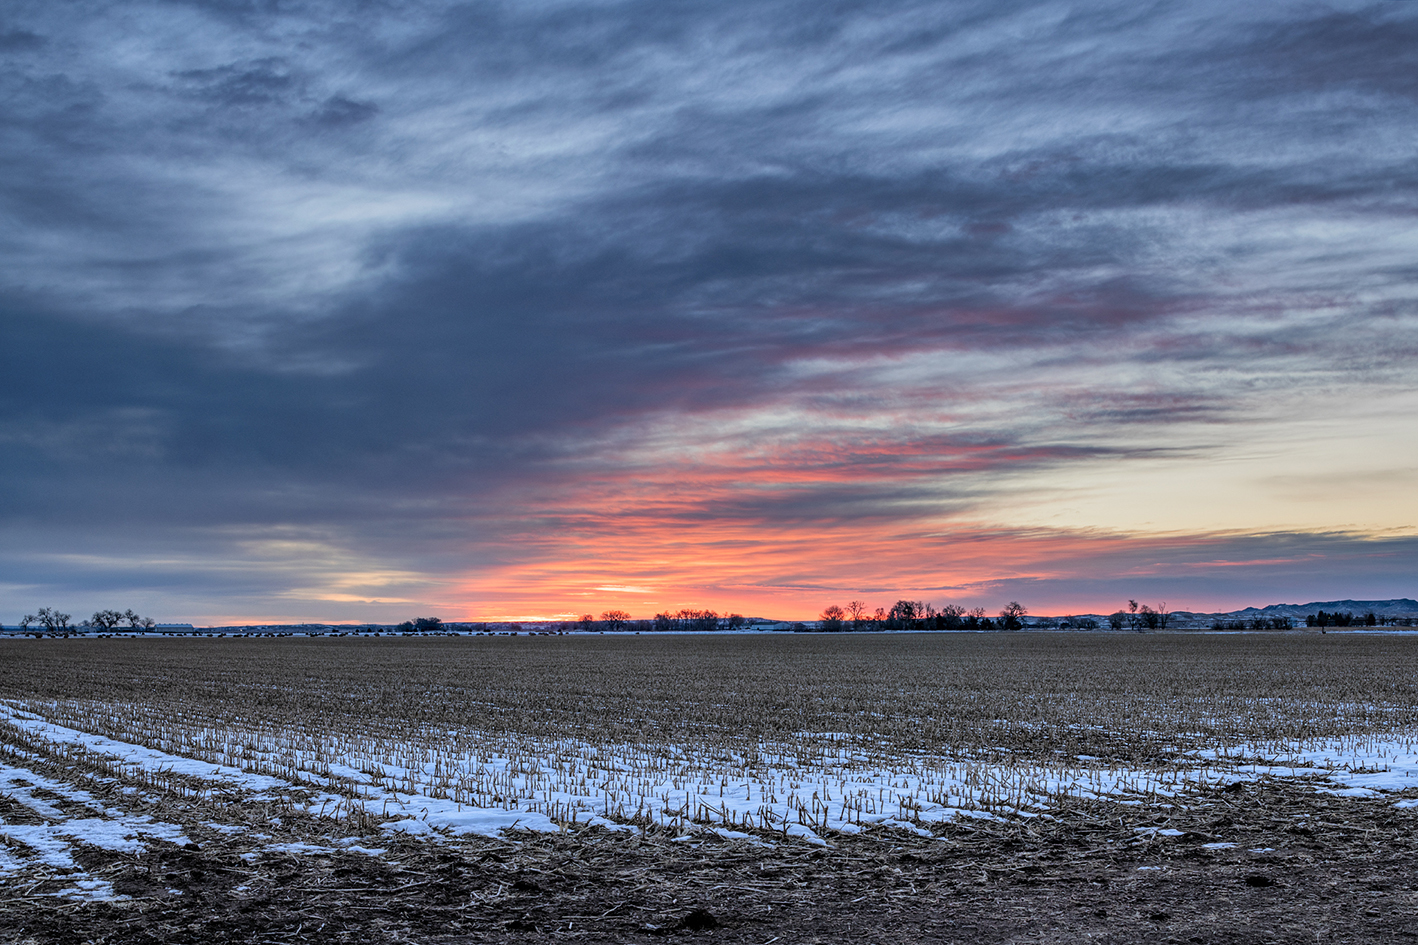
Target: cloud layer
331	312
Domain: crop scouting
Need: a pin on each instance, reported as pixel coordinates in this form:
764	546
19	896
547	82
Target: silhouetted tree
950	617
831	619
857	610
53	620
105	620
906	613
615	619
138	623
1012	616
903	614
691	619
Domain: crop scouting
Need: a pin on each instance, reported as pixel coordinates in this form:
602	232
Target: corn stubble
760	734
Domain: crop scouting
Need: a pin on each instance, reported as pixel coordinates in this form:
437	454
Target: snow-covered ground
45	819
483	783
471	783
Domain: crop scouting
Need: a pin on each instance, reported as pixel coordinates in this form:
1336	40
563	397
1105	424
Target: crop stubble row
1012	711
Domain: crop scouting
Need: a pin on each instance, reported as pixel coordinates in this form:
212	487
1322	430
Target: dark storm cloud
1356	50
338	110
103	412
264	82
19	41
296	263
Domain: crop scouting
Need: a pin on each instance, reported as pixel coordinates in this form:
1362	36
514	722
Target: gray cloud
20	41
338	110
349	269
261	82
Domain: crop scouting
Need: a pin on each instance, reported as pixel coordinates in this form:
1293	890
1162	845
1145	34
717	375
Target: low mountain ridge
1397	607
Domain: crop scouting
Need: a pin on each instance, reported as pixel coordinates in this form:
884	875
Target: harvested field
1029	787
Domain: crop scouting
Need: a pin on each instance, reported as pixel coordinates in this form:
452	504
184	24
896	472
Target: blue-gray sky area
355	311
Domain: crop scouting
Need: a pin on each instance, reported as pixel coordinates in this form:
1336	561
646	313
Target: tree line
921	615
421	625
1255	623
684	619
1348	619
56	622
1139	617
918	615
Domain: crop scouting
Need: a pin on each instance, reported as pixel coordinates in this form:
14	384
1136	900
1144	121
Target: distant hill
1402	607
1399	607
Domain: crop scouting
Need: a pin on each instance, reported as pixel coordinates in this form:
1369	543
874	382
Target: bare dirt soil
1306	867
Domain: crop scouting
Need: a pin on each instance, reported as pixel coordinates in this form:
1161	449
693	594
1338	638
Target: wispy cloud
521	300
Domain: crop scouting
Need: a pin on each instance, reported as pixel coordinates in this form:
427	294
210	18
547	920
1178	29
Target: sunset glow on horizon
522	312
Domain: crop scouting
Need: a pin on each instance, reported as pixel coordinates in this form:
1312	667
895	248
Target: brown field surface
1047	692
1052	787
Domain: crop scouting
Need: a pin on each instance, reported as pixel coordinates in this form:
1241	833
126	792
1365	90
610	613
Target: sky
360	311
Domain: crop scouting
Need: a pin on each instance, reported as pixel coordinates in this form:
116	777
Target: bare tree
688	618
1133	620
53	620
831	619
615	619
102	621
903	614
1012	616
1147	617
857	610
